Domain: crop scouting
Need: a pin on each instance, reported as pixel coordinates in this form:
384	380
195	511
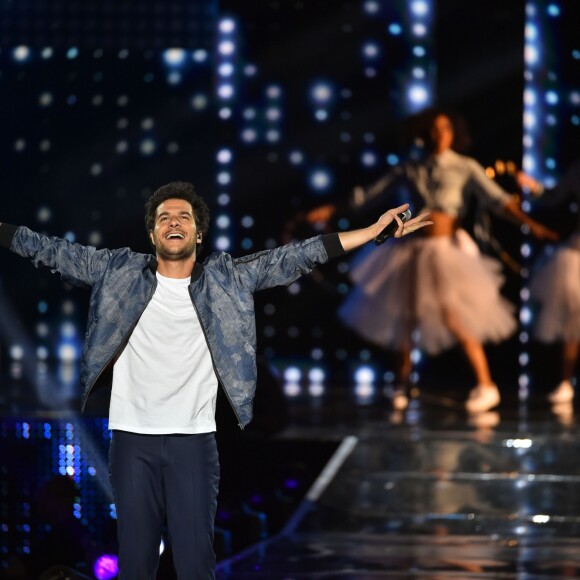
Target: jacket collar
195	274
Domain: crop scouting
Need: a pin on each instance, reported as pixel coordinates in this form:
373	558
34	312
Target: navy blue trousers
158	479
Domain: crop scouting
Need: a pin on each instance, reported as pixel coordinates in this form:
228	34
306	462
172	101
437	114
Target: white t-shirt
164	381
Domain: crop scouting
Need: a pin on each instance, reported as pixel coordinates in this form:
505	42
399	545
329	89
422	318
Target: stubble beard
175	255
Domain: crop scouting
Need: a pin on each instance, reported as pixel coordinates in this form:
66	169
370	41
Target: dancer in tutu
555	285
437	284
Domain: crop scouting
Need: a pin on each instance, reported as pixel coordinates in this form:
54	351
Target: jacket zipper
125	337
240	424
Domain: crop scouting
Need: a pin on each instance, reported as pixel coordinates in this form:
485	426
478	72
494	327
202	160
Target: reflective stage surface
431	493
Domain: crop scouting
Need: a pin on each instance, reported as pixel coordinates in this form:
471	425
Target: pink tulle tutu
411	285
555	286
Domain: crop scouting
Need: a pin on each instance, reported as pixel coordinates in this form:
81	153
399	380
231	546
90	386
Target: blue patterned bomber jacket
122	283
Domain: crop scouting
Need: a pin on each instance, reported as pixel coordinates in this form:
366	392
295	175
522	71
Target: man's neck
175	268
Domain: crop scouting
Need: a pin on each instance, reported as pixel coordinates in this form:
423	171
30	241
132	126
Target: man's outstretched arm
355	238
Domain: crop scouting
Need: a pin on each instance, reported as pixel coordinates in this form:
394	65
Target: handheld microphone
390	229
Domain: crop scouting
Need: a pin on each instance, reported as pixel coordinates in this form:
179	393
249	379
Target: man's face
175	232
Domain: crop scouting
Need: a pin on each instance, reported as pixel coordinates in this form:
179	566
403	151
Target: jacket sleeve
77	264
283	265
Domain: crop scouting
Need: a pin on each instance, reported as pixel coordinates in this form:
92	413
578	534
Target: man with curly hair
173	329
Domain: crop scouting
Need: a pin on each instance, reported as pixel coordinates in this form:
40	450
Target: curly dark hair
419	126
178	190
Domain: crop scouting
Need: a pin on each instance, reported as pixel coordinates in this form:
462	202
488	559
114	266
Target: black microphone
390	229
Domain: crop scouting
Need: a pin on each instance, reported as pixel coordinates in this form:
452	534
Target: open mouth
175	236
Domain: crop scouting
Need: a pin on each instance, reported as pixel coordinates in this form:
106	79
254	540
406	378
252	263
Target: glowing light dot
226	47
21	53
200	55
419	7
227	25
224	156
174	56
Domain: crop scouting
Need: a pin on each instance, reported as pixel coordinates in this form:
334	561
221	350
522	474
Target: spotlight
174	57
106	567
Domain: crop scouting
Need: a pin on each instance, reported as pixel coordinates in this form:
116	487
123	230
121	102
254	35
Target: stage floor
430	493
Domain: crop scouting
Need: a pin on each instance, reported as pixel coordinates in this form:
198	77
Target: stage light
227	25
223	243
392	159
147	147
418	95
67	353
96	169
46	53
226	47
316	390
552	98
273	114
528	163
225	91
365	375
45	99
223	199
249	135
526	250
199	102
370	50
43	214
224	177
72	53
371	7
42	353
531	32
274	92
174	77
526	315
21	53
106	567
292	389
316	375
320	179
364	393
200	55
321	93
226	69
296	157
419	7
321	115
292	374
225	113
524	359
224	156
122	147
419	51
273	136
174	57
419	29
369	159
395	29
553	10
223	222
531	55
247	221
